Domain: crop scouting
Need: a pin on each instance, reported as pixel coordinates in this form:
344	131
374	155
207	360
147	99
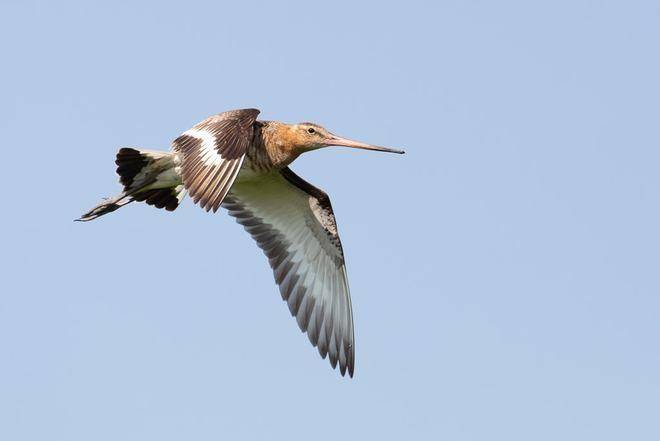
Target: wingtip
346	368
343	370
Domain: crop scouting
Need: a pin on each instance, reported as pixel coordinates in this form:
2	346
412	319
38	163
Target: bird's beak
345	142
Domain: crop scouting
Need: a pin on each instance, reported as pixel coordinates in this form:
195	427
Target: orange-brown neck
280	142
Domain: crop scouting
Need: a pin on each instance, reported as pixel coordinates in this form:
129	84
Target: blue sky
504	272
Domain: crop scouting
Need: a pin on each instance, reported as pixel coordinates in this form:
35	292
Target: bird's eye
311	131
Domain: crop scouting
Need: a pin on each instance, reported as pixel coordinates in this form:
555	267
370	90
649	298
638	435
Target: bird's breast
251	171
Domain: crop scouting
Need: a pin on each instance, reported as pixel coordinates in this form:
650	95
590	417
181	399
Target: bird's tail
147	176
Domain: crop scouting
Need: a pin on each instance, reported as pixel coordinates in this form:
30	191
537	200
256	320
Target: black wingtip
346	368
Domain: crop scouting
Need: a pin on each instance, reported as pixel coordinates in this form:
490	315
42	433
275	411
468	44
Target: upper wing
212	153
293	222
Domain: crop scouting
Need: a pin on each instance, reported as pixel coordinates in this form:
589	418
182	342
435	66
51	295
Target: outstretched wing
293	223
212	153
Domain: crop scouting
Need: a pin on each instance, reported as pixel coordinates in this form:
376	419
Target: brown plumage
237	162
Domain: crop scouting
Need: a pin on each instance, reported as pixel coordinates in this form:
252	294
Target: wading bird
235	161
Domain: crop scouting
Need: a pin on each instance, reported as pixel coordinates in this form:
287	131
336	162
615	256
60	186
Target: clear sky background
505	272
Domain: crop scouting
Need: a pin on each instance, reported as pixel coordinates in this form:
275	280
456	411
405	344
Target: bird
235	161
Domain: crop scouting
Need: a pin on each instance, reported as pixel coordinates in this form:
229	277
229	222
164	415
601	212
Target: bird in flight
234	161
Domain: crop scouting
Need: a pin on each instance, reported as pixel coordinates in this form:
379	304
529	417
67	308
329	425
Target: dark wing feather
293	223
212	153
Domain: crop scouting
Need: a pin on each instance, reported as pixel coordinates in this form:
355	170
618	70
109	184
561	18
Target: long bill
345	142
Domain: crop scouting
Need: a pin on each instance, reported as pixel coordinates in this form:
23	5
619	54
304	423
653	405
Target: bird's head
309	136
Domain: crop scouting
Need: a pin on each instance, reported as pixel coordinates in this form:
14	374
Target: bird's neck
278	142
